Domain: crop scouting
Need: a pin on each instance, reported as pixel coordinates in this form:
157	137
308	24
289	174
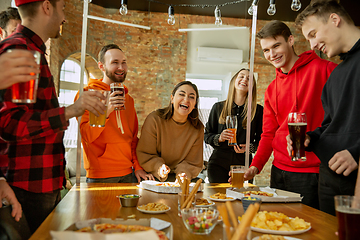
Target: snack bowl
246	201
128	200
200	220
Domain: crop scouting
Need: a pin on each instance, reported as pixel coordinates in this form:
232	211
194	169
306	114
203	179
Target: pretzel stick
183	190
118	119
242	229
193	192
224	215
231	214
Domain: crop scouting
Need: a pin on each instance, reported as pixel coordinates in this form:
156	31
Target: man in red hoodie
297	88
109	153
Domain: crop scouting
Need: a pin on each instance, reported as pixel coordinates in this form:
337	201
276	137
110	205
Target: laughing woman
171	140
217	135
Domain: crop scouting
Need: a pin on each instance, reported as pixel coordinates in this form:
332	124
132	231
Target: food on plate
120	228
168	184
260	193
202	201
278	221
154	207
271	237
220	196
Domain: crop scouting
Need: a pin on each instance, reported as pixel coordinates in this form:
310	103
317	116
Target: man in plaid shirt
35	131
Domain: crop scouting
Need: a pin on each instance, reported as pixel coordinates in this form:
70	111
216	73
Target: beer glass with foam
348	215
100	120
26	92
237	175
231	124
297	129
119	88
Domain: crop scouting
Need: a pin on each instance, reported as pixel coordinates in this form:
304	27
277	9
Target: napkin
66	235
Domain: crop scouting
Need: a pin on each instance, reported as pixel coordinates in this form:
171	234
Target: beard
114	77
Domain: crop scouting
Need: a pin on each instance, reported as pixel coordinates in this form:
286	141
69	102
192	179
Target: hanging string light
218	21
171	19
271	9
123	9
296	5
251	10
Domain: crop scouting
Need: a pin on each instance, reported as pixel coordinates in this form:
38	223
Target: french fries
278	221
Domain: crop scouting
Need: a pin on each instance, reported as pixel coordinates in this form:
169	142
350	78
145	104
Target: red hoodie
299	90
107	152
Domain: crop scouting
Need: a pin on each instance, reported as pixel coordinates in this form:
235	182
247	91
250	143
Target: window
69	86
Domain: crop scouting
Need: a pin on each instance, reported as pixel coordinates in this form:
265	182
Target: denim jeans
123	179
305	184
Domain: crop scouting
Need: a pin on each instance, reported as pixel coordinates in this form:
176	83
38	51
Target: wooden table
98	200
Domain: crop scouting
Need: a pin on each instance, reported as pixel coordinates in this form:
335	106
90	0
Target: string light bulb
251	10
218	21
271	9
296	5
123	9
171	19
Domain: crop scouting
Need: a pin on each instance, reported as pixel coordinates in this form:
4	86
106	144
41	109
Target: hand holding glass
297	129
26	92
101	119
119	88
231	124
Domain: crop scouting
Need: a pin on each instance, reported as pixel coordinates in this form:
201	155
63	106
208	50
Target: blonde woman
217	135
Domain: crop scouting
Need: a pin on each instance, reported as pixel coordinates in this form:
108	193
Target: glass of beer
297	128
120	91
100	120
231	124
237	175
26	92
348	215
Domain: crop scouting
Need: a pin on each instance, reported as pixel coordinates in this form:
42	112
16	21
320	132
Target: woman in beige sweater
171	140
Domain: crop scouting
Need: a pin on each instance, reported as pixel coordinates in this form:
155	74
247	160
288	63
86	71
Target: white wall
232	39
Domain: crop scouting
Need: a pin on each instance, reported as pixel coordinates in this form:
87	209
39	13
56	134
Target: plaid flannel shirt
34	131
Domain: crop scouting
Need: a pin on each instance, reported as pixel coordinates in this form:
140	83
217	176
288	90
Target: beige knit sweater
179	146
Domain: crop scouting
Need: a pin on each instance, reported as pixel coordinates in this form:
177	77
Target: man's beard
115	78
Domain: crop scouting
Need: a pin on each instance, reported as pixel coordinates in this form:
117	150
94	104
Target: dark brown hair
274	29
29	10
106	48
194	117
7	15
322	9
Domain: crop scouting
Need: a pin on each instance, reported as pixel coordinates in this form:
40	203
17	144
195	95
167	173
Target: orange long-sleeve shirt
108	152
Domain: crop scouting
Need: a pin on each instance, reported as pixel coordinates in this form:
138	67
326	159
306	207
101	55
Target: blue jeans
305	184
123	179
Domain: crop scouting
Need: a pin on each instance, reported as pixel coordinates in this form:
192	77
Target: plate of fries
221	197
278	223
154	208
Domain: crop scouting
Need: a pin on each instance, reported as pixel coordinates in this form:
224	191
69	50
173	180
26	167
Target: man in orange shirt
110	155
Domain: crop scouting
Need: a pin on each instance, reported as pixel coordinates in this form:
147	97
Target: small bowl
129	200
200	220
246	201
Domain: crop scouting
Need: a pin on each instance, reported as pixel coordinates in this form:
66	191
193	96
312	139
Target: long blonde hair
226	111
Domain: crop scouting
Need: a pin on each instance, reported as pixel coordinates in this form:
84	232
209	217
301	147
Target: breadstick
183	190
231	214
242	229
223	213
190	202
187	185
193	192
